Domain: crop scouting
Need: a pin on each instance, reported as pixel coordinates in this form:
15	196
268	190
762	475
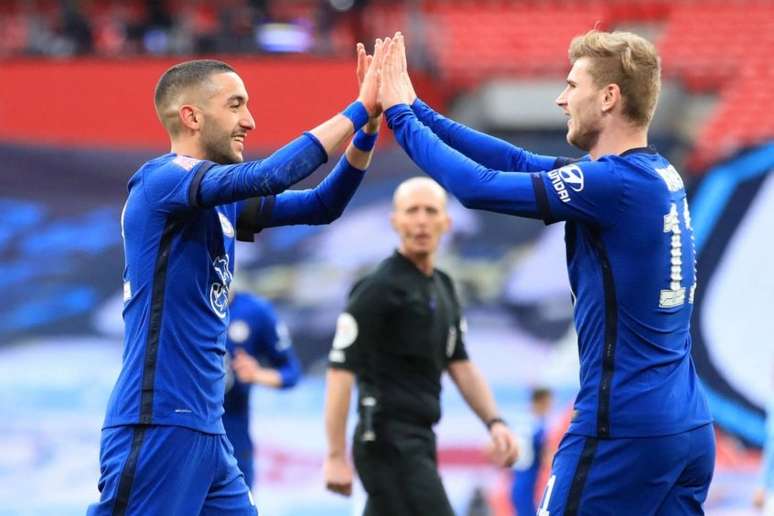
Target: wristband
491	422
364	141
357	114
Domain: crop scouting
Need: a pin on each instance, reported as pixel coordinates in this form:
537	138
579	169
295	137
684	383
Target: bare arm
473	388
336	468
479	398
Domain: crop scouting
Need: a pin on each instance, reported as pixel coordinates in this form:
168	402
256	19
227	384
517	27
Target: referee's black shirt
400	330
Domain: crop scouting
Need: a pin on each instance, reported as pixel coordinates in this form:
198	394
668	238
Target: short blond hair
625	59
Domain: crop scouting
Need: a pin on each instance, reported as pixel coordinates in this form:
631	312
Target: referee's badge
346	331
346	334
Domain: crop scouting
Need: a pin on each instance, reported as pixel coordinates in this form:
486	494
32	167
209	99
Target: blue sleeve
320	205
213	185
168	187
489	151
473	184
273	343
585	191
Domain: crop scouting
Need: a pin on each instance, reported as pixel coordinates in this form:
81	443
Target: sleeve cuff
319	145
396	111
541	197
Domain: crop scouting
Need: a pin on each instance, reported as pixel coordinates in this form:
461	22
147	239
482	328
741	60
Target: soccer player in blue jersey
163	448
641	440
259	352
532	457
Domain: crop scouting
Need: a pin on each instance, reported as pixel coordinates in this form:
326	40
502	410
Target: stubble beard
217	148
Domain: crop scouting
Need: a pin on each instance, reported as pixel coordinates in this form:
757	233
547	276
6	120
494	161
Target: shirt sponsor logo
572	175
558	183
185	162
228	229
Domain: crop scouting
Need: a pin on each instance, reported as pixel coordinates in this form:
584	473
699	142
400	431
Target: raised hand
407	86
368	74
394	87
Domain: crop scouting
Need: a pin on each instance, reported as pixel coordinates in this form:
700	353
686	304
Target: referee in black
401	329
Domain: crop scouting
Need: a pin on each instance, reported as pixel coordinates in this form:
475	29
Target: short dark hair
539	394
185	75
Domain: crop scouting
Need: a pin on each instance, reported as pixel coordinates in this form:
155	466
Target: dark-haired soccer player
641	441
260	352
163	447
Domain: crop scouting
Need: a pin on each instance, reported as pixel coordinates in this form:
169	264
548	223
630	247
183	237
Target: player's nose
248	122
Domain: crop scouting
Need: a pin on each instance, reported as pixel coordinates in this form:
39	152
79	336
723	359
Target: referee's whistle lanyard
368	404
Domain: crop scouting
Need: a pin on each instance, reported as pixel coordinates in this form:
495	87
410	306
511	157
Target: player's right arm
485	149
480	147
204	184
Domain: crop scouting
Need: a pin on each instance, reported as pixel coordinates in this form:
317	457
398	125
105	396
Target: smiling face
226	119
419	217
583	102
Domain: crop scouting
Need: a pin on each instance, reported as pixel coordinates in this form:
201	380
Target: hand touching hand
406	80
395	86
368	75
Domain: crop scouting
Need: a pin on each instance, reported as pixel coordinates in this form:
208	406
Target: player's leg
523	493
690	490
149	470
228	495
115	450
377	467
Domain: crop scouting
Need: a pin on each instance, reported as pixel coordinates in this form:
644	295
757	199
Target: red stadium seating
709	46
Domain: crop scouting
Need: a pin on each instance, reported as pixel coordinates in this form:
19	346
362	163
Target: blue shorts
169	470
662	476
523	492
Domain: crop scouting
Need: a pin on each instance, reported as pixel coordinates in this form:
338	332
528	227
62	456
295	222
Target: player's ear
190	117
610	97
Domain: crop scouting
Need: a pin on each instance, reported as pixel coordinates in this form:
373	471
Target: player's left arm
282	355
271	344
320	205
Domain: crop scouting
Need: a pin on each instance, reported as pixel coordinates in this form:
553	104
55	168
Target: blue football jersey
254	328
632	269
179	264
630	257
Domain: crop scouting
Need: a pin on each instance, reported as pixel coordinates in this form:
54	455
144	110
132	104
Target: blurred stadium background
76	119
